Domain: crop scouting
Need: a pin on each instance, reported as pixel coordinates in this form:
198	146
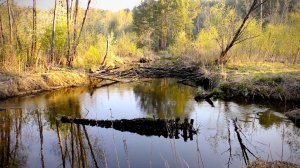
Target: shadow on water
230	134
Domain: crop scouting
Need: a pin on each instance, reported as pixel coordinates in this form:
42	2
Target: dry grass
275	164
261	80
263	68
16	85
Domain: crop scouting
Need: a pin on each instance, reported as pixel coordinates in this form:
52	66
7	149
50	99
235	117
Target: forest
160	83
71	36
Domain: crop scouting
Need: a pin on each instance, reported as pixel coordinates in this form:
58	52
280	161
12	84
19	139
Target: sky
113	5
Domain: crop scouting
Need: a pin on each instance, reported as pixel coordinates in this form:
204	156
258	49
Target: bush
60	41
125	46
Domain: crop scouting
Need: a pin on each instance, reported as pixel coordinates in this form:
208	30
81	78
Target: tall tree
74	31
162	12
239	33
34	29
14	21
10	21
2	40
261	14
51	58
68	27
77	39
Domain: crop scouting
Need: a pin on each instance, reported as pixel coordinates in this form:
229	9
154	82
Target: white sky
113	5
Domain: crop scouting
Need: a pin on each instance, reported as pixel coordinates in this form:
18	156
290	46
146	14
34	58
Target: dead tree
239	34
74	31
76	39
9	21
105	56
34	27
51	58
68	27
2	40
83	21
14	22
261	14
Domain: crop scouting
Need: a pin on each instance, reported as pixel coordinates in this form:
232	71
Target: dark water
230	134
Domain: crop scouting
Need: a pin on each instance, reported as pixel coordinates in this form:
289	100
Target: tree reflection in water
12	152
164	98
30	134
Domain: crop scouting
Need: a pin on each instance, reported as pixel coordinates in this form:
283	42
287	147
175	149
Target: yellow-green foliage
60	40
218	30
95	53
276	42
207	43
180	44
125	46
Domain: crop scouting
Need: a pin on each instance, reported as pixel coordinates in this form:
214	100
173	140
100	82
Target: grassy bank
267	81
17	85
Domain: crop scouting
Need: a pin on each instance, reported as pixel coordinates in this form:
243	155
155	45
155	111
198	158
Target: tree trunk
19	44
261	14
10	21
68	27
83	22
74	31
51	58
238	34
34	27
76	40
2	40
104	59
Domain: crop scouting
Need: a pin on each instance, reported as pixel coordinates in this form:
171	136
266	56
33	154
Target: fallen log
143	126
111	78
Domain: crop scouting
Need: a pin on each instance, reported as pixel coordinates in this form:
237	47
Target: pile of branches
189	75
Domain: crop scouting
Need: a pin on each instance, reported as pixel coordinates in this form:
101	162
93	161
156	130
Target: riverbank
274	164
31	83
257	81
251	81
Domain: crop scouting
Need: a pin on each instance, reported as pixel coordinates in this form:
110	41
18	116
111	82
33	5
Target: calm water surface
230	134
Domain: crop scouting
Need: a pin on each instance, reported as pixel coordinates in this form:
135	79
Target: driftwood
144	126
111	78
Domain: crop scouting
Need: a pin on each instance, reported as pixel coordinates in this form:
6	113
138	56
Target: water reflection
231	134
268	119
164	98
143	126
12	153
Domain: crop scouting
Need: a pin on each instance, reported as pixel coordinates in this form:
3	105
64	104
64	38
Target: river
230	134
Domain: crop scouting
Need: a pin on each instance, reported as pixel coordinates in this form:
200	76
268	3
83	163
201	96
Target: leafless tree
19	44
53	34
68	27
34	29
239	33
9	21
1	32
74	30
75	38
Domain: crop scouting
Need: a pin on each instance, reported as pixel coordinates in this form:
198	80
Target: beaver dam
155	123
